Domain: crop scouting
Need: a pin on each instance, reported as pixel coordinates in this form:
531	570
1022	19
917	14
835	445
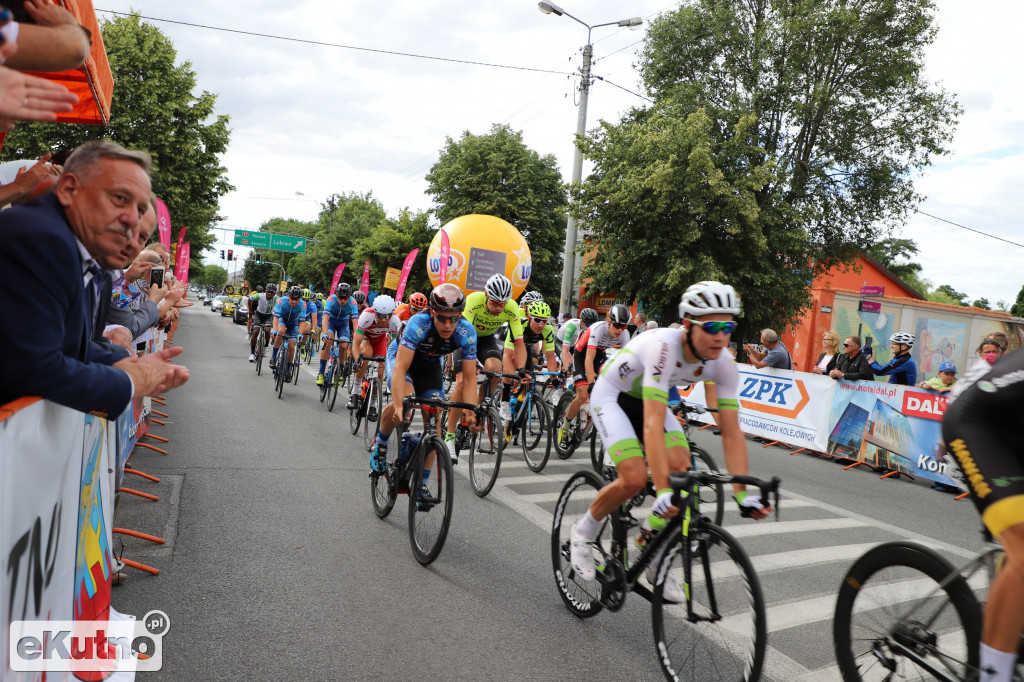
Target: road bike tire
333	390
597	452
724	589
373	400
712	496
296	366
485	449
872	609
556	421
346	372
430	517
259	353
328	377
383	493
356	414
280	376
581	597
534	430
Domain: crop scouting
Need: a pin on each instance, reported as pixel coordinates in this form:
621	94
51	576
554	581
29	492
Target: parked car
228	309
218	304
241	313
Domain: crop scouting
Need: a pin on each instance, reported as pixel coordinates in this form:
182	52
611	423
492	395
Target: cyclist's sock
449	437
656	522
273	354
587	526
506	392
323	366
996	666
382	439
565	423
426	476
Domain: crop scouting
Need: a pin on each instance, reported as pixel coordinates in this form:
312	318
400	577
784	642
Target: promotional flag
365	286
181	266
406	268
180	249
163	222
445	248
391	278
337	278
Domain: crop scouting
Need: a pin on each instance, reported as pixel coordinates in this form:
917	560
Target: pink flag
181	249
365	286
406	267
337	278
163	222
181	265
445	248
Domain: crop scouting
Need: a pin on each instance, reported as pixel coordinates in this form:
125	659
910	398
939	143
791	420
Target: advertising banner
179	249
337	278
406	269
446	247
163	223
181	264
365	286
391	278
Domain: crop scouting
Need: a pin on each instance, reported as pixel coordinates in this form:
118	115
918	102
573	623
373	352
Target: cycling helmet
903	338
589	316
619	313
538	309
447	298
498	288
343	290
320	296
383	305
359	296
947	366
418	301
271	288
307	294
528	298
709	298
259	288
295	292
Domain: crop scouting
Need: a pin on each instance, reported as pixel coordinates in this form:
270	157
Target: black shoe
371	414
353	401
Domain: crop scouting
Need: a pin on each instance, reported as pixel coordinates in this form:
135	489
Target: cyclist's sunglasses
539	320
447	318
619	325
715	327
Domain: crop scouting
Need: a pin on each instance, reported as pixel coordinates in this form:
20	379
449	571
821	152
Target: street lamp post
568	255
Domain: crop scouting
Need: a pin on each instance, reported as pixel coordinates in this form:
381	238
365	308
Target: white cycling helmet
498	288
530	297
709	298
902	337
383	305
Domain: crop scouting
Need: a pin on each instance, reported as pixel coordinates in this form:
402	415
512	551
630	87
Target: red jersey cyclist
372	336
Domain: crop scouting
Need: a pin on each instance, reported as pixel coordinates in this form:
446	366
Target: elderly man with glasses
852	365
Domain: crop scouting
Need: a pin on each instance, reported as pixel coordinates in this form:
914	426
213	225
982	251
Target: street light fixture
568	255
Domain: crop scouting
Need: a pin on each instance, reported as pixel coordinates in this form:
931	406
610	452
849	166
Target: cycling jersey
485	323
597	336
569	333
290	315
421	336
311	310
263	305
901	370
372	327
530	338
340	313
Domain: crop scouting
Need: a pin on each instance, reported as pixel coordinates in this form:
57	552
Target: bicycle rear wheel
580	596
355	415
727	634
712	497
597	452
430	502
259	352
891	608
282	362
485	450
535	429
382	493
563	452
371	407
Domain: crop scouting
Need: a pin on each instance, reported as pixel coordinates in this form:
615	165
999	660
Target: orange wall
869	274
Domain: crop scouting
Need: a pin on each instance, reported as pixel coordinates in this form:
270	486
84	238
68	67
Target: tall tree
946	294
829	105
497	174
1017	309
154	109
388	245
896	255
982	303
214	276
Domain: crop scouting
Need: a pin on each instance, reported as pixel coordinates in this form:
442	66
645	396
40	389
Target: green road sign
256	240
280	242
274	242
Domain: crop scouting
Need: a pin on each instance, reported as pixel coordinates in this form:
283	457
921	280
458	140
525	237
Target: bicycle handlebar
683	480
411	402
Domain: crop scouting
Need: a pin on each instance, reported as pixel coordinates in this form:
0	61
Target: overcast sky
316	119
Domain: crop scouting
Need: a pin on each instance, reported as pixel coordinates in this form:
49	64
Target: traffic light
231	254
259	257
222	254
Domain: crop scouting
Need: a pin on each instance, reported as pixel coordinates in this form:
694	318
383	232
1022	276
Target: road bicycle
580	428
371	402
486	446
530	424
719	632
332	379
430	501
283	374
904	612
261	348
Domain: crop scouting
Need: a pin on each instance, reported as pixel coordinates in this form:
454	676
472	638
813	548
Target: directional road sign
256	240
280	242
274	242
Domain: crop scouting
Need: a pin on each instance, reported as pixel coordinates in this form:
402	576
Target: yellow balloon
480	246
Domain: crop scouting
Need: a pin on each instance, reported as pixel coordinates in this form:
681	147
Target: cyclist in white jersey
629	404
569	333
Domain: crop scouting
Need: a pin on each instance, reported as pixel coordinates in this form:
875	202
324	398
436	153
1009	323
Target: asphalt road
275	566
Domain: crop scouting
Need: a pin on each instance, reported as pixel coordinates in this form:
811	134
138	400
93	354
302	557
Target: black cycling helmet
619	313
343	290
259	288
447	298
272	288
589	316
359	296
295	292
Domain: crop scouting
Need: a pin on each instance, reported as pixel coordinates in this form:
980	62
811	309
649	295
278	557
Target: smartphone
156	276
867	345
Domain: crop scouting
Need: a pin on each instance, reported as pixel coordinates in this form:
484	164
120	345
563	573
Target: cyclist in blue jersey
339	319
415	365
312	314
288	314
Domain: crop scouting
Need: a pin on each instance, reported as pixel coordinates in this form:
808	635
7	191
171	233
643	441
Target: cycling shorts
579	368
981	434
342	332
262	319
424	375
379	344
486	347
619	419
291	330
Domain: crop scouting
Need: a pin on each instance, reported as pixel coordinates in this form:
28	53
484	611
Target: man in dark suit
52	252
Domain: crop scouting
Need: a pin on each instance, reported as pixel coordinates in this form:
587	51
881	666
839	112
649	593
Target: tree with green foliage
982	303
1017	309
895	254
783	137
388	245
154	109
497	174
259	273
213	276
947	294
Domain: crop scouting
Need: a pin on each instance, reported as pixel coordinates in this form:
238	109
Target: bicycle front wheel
372	408
535	429
892	609
430	500
259	352
332	387
355	416
726	632
563	451
485	450
582	597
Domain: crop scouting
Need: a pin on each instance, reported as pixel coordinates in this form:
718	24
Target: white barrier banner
40	480
782	405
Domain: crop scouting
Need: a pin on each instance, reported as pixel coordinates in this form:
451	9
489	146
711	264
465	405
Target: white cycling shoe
581	555
673	591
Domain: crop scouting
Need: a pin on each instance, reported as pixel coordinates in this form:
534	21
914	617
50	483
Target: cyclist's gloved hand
663	503
748	504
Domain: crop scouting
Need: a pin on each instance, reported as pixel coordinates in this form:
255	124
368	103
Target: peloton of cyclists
288	315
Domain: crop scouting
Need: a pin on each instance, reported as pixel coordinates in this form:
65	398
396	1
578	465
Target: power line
637	94
969	229
339	45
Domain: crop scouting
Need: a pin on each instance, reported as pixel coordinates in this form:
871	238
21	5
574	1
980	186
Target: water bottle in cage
409	443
